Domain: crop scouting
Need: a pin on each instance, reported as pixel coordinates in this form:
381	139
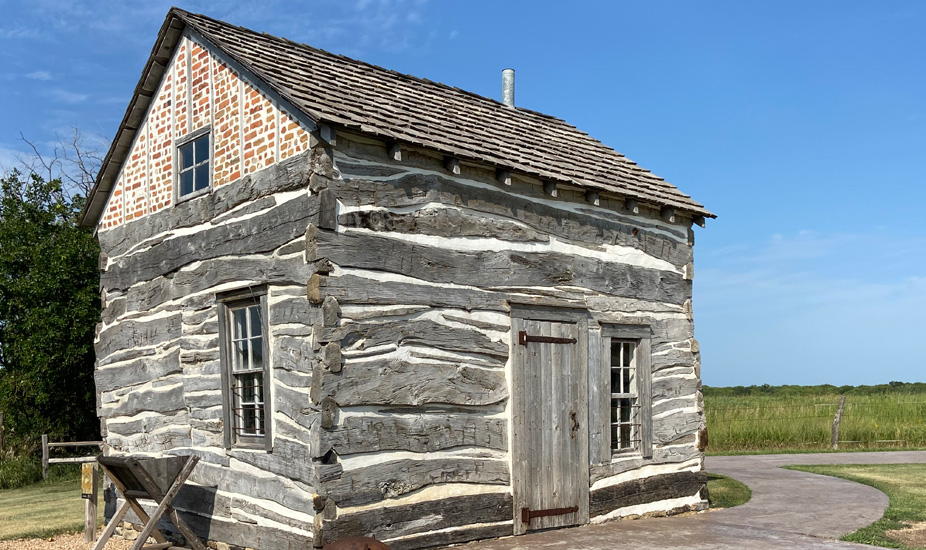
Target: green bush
19	471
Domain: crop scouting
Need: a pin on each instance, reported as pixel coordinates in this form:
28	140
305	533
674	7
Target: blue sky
801	124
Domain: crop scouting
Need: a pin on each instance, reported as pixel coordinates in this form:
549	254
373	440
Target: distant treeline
824	389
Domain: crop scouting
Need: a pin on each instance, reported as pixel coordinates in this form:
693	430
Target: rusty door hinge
524	338
527	514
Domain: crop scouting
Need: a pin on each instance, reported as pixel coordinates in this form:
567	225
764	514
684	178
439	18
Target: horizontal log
350	289
423	332
278	489
262	233
147	400
670	428
445	538
585	225
132	334
505	268
288	459
442	222
148	424
394	381
211	273
427	432
286	175
388	522
675	387
398	477
138	371
293	353
646	491
661	455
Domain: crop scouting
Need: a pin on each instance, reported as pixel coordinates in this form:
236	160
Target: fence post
45	457
89	488
834	439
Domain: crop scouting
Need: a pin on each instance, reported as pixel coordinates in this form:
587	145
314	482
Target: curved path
788	509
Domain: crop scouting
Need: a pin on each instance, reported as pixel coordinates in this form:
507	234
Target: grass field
779	422
42	510
904	485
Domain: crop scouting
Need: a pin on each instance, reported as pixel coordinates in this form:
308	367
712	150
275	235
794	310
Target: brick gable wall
249	132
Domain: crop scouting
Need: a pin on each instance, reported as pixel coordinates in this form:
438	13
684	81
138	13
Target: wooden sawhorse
157	479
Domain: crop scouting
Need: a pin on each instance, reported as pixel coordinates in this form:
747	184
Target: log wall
389	290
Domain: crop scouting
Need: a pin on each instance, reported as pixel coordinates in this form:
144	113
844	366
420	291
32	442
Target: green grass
42	510
726	492
902	483
794	423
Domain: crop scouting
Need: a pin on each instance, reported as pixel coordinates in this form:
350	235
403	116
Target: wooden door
550	412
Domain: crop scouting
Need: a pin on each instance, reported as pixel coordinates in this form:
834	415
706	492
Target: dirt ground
913	536
63	542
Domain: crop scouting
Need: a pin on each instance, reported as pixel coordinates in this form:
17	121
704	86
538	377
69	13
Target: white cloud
65	96
39	75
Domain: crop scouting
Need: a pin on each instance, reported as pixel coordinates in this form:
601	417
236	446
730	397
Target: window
193	172
625	414
245	372
625	365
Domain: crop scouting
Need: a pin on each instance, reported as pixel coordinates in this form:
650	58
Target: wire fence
807	422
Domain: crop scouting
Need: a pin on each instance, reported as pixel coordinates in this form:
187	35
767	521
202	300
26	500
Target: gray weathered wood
327	210
645	392
286	175
443	222
595	227
331	311
351	289
834	439
398	521
421	332
394	381
671	455
410	431
646	490
398	477
550	412
261	233
494	268
137	334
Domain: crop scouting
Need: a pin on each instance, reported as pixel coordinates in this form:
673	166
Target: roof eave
147	86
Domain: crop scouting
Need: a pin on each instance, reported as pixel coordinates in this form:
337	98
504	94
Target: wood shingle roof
339	91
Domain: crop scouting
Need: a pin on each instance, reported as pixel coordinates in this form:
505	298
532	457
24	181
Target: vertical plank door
550	443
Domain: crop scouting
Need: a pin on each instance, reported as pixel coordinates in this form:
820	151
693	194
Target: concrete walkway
788	509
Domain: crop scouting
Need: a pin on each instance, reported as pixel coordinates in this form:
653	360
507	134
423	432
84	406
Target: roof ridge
409	76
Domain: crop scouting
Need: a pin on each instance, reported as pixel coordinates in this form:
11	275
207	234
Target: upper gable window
193	172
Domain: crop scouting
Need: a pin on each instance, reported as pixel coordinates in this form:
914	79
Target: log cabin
377	305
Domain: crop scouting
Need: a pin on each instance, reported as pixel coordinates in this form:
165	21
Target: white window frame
178	144
641	419
624	396
237	435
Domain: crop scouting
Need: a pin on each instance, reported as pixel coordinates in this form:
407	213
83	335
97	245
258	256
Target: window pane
626	381
625	436
616	353
202	149
241	355
625	410
240	324
257	353
255	321
186	182
615	381
186	156
628	353
201	180
615	437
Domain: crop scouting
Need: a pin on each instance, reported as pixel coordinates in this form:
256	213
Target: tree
49	307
